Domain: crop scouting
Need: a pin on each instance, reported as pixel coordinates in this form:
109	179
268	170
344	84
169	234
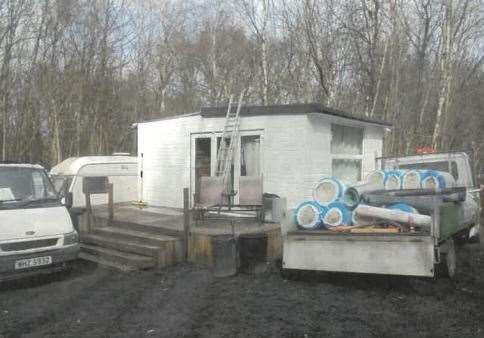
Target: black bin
224	253
253	252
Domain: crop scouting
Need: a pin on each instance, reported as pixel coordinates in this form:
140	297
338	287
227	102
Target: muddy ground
189	302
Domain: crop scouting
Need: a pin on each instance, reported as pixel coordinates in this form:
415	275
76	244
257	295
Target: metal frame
436	153
201	210
469	152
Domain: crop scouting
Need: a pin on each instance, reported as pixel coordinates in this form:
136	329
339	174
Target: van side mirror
68	200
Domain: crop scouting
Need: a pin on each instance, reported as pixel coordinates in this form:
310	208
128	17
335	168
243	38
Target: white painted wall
295	153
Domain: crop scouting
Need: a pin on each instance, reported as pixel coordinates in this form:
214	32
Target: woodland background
74	75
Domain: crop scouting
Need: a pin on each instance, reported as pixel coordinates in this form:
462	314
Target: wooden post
186	220
88	211
110	203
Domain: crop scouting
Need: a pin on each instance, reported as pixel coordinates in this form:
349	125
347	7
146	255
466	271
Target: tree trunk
445	74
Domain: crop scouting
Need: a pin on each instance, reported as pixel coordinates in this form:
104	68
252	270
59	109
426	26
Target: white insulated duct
393	215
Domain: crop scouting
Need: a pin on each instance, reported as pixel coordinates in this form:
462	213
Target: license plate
32	262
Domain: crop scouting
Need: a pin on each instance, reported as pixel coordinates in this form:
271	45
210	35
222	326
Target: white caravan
122	172
36	231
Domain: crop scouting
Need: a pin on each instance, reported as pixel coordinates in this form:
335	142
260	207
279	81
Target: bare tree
74	75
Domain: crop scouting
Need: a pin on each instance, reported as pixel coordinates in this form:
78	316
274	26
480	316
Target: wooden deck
169	221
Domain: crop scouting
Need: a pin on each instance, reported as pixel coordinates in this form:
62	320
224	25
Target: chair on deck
213	196
251	195
210	195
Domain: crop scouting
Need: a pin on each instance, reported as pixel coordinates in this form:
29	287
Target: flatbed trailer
404	253
417	253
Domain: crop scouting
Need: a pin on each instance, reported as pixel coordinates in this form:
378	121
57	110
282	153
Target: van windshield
24	186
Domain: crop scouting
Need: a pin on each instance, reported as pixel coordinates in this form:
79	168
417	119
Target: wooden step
107	263
170	248
134	235
121	258
121	245
152	229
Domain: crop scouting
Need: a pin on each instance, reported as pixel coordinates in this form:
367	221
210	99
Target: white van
36	231
122	172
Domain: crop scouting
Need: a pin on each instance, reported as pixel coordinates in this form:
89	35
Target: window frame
254	135
355	157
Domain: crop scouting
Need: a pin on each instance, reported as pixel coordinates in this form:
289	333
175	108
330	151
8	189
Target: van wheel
448	260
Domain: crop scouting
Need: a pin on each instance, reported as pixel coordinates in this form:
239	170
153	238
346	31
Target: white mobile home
291	146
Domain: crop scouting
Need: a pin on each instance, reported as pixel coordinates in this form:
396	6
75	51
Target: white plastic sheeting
393	215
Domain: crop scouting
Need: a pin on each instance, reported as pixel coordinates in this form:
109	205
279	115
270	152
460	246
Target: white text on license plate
32	262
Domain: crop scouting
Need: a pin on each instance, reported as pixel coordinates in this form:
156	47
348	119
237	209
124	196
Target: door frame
214	135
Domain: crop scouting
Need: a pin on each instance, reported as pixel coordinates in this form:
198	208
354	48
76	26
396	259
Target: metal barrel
224	253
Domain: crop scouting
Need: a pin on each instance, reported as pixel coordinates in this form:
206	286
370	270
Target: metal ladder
228	141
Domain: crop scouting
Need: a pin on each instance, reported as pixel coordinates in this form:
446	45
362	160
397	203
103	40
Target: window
232	166
346	140
347	152
250	155
202	160
347	170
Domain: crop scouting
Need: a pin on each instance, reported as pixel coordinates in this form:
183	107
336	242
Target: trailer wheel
448	260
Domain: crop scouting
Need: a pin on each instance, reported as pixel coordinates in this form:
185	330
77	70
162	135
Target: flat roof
290	109
279	109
